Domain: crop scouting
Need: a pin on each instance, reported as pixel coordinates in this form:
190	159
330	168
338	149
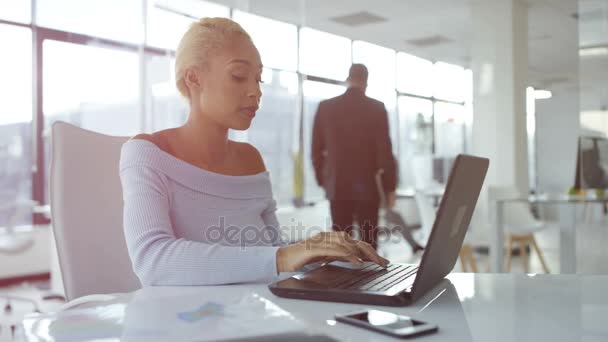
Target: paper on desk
215	316
169	318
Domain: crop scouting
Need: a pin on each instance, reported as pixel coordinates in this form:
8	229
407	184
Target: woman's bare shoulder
250	157
145	136
160	139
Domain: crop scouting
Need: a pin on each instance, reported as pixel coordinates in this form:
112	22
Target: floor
30	291
594	234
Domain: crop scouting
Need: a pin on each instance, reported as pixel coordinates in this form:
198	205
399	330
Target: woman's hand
327	247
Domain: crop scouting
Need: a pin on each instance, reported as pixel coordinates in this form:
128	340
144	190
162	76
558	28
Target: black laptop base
288	288
326	284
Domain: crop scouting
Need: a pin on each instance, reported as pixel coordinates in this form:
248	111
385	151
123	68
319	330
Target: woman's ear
193	80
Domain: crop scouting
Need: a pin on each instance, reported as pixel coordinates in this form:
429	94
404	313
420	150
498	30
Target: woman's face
230	86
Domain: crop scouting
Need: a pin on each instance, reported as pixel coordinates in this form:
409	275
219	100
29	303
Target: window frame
40	34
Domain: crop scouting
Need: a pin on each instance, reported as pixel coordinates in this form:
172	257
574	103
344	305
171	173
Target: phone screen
386	320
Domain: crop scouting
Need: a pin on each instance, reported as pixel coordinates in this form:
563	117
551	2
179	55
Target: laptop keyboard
376	278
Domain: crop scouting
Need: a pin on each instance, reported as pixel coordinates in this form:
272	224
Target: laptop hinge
404	287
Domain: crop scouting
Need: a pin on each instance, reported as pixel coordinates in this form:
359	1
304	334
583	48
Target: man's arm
385	155
318	145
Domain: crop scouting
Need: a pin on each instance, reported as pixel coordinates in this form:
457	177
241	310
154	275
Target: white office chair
10	242
520	225
86	211
427	219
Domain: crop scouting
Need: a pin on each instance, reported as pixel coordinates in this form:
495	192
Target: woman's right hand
327	247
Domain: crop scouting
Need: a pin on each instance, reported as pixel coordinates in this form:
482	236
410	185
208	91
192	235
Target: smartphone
388	323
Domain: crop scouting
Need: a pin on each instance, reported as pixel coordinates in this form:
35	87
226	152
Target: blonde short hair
195	47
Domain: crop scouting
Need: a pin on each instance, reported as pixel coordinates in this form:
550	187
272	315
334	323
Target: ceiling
555	30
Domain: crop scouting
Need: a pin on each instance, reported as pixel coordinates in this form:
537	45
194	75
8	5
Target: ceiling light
358	19
593	51
541	94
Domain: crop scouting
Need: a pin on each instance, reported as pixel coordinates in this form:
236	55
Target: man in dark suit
350	144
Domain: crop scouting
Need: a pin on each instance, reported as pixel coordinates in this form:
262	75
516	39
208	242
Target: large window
380	63
449	129
165	107
92	87
15	119
120	20
127	85
416	141
437	125
414	75
324	55
272	130
16	71
276	41
314	92
432	134
450	82
450	135
168	20
16	10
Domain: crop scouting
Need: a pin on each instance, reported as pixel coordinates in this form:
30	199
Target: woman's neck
204	141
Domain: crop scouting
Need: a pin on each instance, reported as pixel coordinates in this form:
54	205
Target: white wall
557	130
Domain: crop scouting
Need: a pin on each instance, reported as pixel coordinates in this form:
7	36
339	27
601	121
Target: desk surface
467	307
556	198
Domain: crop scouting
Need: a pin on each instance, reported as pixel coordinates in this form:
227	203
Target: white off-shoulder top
188	226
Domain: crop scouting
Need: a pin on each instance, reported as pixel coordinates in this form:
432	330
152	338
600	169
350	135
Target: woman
198	207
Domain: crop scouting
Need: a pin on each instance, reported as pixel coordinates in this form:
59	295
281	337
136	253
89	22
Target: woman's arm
271	222
159	258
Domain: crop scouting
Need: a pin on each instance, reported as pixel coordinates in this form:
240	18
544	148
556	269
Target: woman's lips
249	111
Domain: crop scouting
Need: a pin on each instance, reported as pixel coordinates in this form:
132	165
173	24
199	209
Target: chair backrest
426	211
517	215
86	212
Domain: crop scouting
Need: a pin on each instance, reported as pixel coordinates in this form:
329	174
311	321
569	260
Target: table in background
434	192
567	250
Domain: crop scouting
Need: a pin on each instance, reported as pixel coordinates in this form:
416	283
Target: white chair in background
14	243
86	211
427	219
520	225
10	241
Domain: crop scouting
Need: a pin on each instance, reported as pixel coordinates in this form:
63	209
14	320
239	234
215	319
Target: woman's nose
256	92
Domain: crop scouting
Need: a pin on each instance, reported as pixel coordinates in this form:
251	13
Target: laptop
400	284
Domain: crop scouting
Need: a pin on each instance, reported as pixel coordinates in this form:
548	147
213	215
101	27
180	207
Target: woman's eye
239	78
259	80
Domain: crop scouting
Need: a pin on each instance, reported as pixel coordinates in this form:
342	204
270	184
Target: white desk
567	228
478	307
435	192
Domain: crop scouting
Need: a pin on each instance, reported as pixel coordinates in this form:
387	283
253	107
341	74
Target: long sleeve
318	146
270	220
159	258
269	217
